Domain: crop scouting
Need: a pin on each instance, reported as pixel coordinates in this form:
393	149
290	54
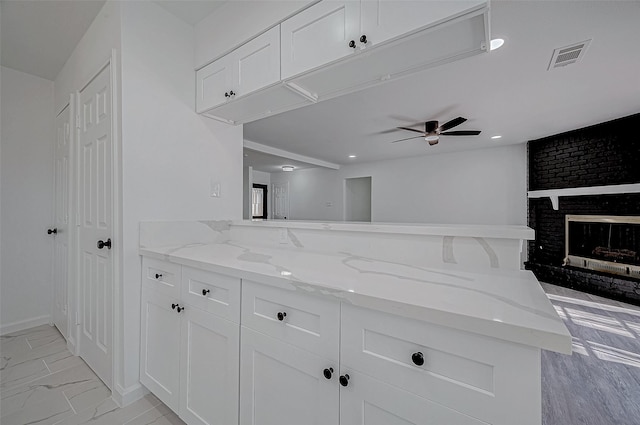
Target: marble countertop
504	304
470	230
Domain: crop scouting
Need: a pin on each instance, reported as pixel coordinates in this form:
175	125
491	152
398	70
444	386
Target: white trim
289	155
21	325
554	194
125	396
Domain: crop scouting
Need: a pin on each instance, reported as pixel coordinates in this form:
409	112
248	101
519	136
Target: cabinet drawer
212	292
498	381
161	276
308	322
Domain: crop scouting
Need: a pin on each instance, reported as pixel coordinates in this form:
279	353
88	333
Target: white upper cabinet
252	66
214	83
319	35
383	20
257	63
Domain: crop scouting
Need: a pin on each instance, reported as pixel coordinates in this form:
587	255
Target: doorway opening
357	199
259	201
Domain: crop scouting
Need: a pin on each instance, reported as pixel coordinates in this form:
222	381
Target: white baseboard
21	325
125	396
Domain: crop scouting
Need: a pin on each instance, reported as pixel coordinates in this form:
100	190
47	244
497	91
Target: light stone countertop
504	304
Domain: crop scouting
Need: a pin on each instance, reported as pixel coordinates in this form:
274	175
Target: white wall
357	199
484	186
170	154
90	54
236	22
26	203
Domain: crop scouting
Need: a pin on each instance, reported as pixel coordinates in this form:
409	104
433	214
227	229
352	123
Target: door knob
328	372
52	231
102	244
363	39
281	315
418	358
205	292
352	44
344	380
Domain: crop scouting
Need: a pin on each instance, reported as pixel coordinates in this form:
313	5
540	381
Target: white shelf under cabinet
555	194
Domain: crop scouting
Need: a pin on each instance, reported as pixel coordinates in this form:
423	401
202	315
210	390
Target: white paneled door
95	198
280	201
60	231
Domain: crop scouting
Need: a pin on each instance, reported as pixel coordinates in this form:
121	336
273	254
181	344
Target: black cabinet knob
205	292
158	276
231	93
52	231
363	39
328	372
352	44
102	244
176	307
344	380
179	309
281	315
173	306
226	94
418	358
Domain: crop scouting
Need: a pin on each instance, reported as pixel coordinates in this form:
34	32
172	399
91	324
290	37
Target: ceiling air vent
568	54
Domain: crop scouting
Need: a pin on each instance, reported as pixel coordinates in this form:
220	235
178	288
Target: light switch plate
216	189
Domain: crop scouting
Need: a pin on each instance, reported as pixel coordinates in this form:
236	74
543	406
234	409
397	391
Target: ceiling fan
432	131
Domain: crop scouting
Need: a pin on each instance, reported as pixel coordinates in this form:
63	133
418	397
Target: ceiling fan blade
408	138
453	123
461	133
411	129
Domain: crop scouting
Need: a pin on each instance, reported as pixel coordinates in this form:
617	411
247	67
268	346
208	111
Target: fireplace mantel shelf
554	194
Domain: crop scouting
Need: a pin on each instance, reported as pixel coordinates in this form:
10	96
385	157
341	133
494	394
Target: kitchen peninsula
307	322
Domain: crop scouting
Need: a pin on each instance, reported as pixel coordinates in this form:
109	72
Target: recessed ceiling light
496	43
288	167
496	137
352	156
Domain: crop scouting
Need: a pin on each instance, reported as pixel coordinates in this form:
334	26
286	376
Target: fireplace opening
605	243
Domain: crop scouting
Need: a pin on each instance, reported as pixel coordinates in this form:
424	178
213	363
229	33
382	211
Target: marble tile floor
42	383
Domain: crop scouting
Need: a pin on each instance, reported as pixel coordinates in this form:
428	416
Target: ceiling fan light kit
432	131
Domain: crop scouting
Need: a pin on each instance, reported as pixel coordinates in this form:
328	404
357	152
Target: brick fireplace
606	154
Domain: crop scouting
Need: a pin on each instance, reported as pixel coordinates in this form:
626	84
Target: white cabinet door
367	401
159	350
209	369
257	63
383	20
319	35
214	82
281	384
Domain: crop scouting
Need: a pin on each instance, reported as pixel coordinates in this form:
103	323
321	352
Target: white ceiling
191	11
37	37
508	92
268	163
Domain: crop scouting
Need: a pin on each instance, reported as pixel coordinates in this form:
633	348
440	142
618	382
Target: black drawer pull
205	292
158	276
281	315
418	358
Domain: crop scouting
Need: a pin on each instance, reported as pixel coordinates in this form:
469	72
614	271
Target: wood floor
599	384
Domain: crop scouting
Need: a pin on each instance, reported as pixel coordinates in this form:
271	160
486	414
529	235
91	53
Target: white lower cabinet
160	347
284	385
189	358
299	359
367	401
208	369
